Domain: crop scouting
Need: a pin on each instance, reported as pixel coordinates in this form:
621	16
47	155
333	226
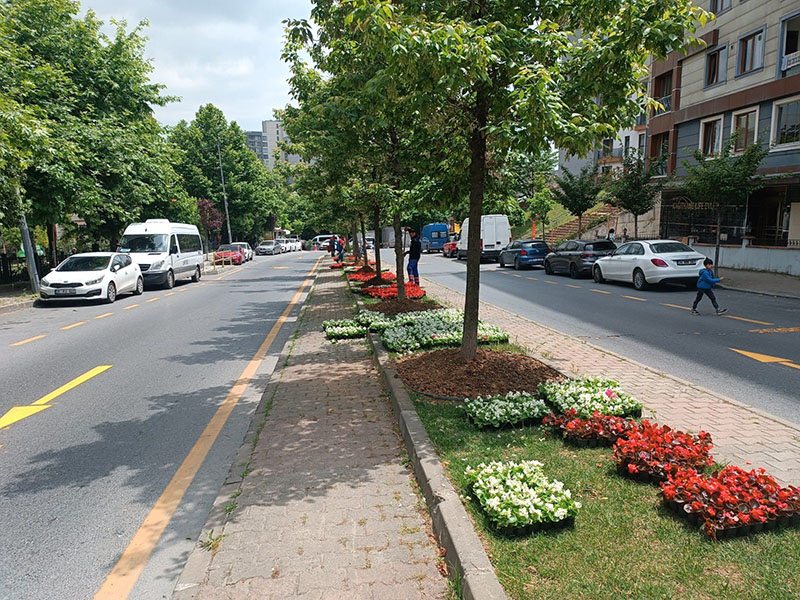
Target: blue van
434	235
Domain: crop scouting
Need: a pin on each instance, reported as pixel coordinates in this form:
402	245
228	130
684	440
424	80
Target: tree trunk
356	245
580	224
636	227
52	242
364	239
376	224
716	249
398	256
477	182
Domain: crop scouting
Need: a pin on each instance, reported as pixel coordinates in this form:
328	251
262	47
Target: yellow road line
599	291
636	298
104	315
183	289
748	320
533	278
122	578
790	364
72	384
130	307
777	330
280	267
153	299
170	294
577	287
31	339
552	282
675	306
78	324
515	275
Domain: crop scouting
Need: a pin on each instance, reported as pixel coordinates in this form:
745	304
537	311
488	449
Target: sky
226	52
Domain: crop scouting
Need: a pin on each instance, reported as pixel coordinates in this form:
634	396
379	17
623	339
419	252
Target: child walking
704	286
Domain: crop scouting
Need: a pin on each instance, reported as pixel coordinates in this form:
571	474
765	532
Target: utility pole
224	194
30	257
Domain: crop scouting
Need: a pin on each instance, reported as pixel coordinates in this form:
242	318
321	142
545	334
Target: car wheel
573	270
500	260
516	264
597	274
639	280
111	295
197	275
139	289
548	268
170	282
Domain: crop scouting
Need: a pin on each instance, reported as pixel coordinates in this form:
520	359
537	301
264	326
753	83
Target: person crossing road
705	285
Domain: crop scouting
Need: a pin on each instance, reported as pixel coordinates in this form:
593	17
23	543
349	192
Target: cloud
223	52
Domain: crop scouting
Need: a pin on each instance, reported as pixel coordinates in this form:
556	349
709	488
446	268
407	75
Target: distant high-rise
271	133
257	142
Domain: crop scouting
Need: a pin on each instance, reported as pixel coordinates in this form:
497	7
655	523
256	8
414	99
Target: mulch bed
445	373
395	306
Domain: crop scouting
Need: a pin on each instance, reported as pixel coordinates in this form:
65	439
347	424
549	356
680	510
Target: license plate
686	262
65	292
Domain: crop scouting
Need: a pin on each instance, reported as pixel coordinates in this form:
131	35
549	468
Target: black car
577	257
524	253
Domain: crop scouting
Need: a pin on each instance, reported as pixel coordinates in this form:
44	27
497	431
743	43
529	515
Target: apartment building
265	143
257	142
745	82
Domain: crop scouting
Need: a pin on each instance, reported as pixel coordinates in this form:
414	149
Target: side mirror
173	250
115	268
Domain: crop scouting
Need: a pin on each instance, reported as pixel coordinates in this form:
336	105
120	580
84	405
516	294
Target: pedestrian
414	252
610	235
340	248
624	235
704	286
332	245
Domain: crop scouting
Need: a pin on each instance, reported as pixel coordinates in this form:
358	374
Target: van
434	235
320	242
164	251
495	235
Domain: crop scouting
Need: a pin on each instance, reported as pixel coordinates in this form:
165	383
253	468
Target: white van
164	251
495	236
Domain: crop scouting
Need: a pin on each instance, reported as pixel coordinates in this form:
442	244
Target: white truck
495	236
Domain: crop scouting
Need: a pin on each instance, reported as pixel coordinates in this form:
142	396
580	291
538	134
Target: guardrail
790	60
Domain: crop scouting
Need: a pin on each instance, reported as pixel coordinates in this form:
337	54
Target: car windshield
669	247
536	245
226	248
145	242
84	263
270	243
600	246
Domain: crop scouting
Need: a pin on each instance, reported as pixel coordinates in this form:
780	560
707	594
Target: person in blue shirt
705	285
414	253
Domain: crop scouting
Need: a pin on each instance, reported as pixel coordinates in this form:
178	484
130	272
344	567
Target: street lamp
224	194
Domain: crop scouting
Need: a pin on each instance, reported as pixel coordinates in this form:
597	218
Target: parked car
246	249
102	275
296	242
495	235
576	257
229	253
650	262
433	237
320	242
450	247
164	251
268	247
284	244
524	253
370	243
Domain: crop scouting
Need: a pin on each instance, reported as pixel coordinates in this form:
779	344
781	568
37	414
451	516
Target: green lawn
625	544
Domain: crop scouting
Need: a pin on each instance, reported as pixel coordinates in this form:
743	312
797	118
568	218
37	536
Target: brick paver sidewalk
328	510
742	436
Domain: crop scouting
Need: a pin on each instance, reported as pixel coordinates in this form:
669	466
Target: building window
786	123
790	57
663	92
711	136
744	126
719	6
627	143
640	146
751	53
716	65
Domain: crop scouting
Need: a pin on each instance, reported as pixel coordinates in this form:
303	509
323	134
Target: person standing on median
704	287
414	253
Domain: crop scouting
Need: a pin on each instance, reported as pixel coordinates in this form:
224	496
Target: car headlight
157	265
94	281
44	281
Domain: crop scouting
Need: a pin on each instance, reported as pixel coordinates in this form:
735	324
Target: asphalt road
77	479
655	327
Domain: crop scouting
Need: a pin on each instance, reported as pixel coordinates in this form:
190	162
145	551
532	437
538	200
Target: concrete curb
451	524
758	293
195	569
16	306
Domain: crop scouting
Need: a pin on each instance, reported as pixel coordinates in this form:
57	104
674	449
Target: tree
578	193
519	75
724	180
635	187
529	179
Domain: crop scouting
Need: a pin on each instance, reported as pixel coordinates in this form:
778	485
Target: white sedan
650	262
101	275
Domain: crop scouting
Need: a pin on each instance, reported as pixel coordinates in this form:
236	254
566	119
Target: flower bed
518	495
589	395
513	408
733	501
368	275
385	292
343	329
374	320
597	430
651	452
434	328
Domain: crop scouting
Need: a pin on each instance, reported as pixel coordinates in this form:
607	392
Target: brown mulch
395	306
445	373
365	269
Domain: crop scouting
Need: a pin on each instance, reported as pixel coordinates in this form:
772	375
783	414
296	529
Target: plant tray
734	532
536	527
518	425
641	477
587	442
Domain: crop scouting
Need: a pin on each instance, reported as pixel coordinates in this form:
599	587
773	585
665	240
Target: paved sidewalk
761	283
742	436
328	510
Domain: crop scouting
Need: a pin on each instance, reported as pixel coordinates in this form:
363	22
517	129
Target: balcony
791	61
666	102
641	120
607	155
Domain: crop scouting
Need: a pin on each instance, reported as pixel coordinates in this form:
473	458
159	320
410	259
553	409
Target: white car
650	262
102	275
284	244
248	251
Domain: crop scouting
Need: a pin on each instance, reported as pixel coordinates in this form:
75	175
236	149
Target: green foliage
635	187
578	193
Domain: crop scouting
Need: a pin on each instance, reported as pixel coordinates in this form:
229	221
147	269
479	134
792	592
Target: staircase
591	218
